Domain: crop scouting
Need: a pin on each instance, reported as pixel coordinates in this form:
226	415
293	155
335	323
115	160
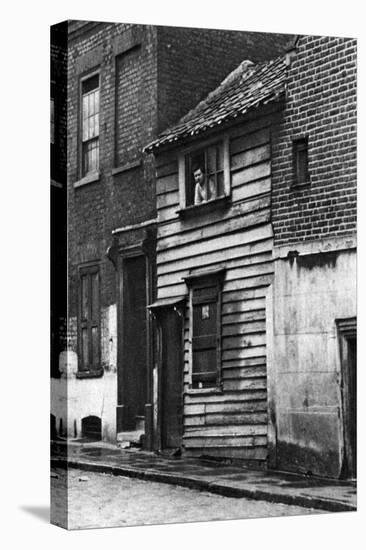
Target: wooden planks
231	422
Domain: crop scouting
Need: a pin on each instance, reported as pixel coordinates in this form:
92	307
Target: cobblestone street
104	500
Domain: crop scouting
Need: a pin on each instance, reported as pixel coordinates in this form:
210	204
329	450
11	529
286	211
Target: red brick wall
320	103
193	62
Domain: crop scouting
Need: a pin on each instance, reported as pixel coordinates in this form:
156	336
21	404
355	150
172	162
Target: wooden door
132	368
171	380
350	406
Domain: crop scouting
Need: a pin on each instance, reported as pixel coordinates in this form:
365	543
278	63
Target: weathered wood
242	143
243	341
166	170
236	419
252	189
243	317
167	213
241	271
247	362
217	244
251	174
248	406
179	227
245	353
168	199
243	373
220	228
172	291
249	282
167	184
228	431
221	398
244	328
226	442
250	384
249	299
250	157
232	256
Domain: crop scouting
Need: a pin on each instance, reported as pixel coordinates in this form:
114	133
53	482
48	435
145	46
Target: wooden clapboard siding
230	421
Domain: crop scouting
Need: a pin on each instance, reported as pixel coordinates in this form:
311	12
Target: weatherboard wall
231	422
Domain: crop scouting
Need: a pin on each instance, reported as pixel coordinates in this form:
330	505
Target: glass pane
212	191
91	104
85	350
96	122
96	99
84	297
220	157
211	159
220	184
95	347
95	296
85	107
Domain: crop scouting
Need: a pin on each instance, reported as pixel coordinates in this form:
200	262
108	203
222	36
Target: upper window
205	174
90	124
300	161
89	319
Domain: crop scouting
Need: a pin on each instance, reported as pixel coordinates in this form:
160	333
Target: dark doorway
348	348
91	428
132	367
350	408
171	379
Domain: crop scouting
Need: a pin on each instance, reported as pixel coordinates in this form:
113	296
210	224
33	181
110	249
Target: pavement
223	479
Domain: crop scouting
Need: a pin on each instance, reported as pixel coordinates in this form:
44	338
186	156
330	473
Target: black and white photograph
203	188
182	274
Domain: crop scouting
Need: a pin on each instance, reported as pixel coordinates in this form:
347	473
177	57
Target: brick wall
321	104
193	62
125	55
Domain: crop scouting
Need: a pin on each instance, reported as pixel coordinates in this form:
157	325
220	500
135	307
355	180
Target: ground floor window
205	310
89	319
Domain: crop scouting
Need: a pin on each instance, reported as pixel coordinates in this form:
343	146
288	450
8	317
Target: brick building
125	84
256	280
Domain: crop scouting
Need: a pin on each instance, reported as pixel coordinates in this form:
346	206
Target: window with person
205	174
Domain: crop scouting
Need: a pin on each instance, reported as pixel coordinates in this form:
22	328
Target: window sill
300	186
204	207
89	178
90	374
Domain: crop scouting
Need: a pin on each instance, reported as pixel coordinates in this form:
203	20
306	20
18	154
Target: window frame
185	208
195	282
299	145
92	175
89	369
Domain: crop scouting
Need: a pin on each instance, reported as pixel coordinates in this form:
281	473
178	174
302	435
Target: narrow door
350	406
171	381
132	368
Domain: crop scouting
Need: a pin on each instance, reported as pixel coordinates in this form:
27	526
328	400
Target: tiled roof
247	87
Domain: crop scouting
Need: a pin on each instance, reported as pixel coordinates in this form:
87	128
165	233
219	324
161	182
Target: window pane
95	347
85	348
211	159
84	297
220	184
95	296
220	157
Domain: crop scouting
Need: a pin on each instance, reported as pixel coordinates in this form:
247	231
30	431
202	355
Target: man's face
198	176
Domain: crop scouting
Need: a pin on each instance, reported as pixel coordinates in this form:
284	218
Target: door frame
347	330
159	310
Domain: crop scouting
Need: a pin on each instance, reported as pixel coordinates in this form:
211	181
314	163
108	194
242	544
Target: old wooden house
214	267
256	295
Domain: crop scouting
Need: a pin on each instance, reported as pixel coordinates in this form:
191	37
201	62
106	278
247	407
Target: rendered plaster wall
73	398
310	292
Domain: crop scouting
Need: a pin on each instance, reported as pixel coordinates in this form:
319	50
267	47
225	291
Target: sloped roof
247	87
